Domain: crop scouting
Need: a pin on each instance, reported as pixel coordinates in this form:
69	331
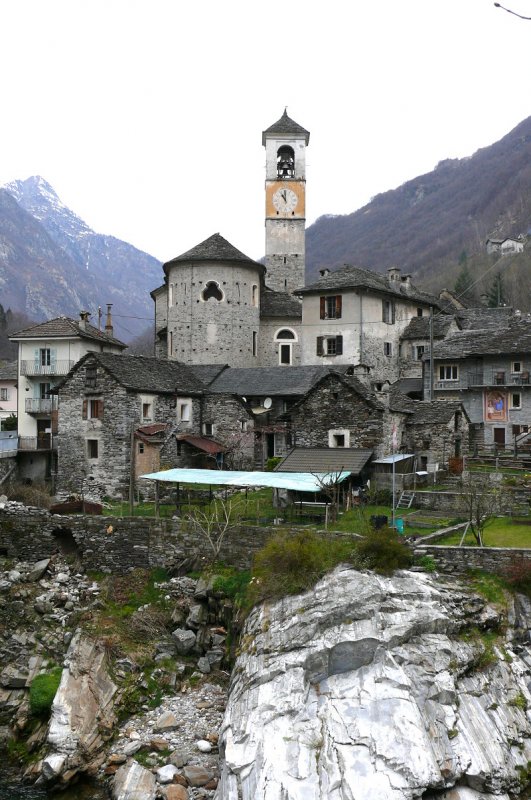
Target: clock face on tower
285	200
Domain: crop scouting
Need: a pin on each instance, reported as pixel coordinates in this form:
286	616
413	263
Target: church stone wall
215	331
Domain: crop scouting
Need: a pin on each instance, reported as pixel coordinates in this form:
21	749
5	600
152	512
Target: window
45	356
140	448
146	412
170	295
208	428
388	312
171	343
285	354
92	448
243	424
254	295
418	352
3	394
285	338
516	400
44	390
516	366
184	411
448	372
255	343
93	409
419	312
388	349
330	307
212	290
329	345
339	438
91	373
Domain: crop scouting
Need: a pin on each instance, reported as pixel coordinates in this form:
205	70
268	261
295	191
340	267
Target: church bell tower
285	143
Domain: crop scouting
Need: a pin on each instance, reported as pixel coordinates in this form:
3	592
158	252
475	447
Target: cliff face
381	688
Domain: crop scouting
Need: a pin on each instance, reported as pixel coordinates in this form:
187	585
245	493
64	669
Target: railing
8	443
43	405
485	378
32	368
43	442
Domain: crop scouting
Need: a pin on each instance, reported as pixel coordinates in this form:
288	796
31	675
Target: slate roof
207	373
408	386
419	327
325	459
515	338
265	381
62	327
285	126
487	318
9	372
279	304
215	248
145	374
349	277
436	412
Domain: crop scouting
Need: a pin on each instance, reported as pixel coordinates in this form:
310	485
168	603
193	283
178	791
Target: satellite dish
268	402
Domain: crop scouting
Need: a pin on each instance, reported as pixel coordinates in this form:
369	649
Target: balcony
486	378
8	444
42	442
45	405
35	369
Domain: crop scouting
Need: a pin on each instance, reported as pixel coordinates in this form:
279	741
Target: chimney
324	272
393	274
406	281
84	315
108	322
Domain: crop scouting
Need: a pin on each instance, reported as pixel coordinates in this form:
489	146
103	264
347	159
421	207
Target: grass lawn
501	532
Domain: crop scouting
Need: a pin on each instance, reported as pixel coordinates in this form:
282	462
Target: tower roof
215	248
286	126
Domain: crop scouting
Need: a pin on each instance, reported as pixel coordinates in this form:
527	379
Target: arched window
285	162
284	340
212	290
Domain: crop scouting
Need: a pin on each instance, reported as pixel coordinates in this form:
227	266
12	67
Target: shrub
232	583
31	495
427	563
42	692
519	578
272	462
289	564
382	551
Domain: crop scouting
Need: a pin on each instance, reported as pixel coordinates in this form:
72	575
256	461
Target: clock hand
284	196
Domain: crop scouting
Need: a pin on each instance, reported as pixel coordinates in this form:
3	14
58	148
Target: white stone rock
362	688
203	746
167	773
134	782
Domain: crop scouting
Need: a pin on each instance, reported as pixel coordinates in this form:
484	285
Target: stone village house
123	415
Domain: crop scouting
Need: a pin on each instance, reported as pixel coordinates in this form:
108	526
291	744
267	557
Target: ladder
405	500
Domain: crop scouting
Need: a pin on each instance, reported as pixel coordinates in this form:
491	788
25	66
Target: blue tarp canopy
297	481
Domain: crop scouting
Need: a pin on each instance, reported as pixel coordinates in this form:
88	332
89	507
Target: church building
217	305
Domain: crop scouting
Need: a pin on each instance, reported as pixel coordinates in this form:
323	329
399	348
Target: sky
146	115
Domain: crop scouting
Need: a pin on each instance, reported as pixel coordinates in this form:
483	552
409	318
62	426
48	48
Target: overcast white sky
146	115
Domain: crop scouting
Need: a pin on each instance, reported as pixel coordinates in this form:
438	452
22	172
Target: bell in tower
285	162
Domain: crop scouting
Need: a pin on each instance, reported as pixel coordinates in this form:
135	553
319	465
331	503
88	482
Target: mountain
52	263
428	223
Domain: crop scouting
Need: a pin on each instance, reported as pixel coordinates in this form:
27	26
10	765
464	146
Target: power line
509	11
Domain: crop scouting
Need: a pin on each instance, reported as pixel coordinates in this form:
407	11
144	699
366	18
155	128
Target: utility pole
431	353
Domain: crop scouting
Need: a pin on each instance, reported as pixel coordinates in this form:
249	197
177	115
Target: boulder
363	686
133	782
83	708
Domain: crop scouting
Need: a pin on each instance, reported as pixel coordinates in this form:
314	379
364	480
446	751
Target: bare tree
480	502
216	521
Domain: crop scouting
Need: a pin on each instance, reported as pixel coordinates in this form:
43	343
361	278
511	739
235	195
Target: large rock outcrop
82	713
381	688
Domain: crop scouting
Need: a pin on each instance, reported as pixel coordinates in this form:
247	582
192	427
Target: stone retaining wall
498	560
511	501
116	544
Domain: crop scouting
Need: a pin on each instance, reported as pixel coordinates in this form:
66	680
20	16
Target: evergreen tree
495	295
463	287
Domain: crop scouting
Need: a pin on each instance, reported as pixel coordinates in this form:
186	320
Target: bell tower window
285	162
212	290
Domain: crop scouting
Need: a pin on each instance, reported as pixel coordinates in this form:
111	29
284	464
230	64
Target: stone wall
511	501
498	560
333	406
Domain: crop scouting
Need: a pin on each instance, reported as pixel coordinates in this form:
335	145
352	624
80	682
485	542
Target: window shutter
339	345
338	306
99	409
323	307
320	345
393	311
85	406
